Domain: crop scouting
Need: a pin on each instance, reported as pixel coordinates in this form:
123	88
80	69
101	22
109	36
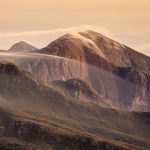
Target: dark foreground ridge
22	132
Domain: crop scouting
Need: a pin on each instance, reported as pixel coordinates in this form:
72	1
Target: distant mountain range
83	91
22	47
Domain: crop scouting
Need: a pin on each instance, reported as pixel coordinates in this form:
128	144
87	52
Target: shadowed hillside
47	116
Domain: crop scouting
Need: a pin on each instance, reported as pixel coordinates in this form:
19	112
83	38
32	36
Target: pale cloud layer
42	38
41	21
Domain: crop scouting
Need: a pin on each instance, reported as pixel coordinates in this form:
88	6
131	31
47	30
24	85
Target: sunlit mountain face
66	80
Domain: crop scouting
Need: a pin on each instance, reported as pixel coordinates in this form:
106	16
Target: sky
39	22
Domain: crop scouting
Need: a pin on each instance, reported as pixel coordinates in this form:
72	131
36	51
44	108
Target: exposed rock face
49	68
118	54
22	47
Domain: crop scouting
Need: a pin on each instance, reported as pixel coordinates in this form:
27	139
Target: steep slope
22	47
41	106
47	67
72	46
118	54
132	92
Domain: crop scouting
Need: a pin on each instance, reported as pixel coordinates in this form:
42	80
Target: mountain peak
73	46
22	47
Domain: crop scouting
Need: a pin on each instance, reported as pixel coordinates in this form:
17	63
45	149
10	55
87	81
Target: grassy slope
25	132
23	92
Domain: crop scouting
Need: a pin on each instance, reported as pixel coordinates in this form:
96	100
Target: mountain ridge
79	89
22	47
44	115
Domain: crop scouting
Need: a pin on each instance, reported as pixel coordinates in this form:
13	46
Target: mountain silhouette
22	47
